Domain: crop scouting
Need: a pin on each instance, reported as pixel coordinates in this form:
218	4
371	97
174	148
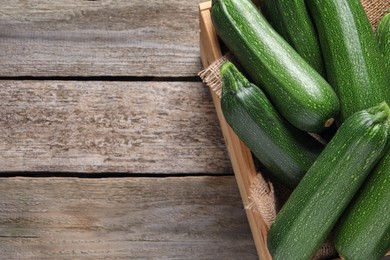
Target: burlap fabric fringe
263	198
375	10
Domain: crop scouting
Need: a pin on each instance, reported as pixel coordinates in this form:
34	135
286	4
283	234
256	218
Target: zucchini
353	62
383	36
297	91
284	150
364	229
291	19
312	210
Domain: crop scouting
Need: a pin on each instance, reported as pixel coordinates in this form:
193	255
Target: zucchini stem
229	74
381	112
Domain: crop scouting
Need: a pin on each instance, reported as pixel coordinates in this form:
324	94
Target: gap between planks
104	78
106	175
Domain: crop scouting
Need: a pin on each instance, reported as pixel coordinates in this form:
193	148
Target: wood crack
12	236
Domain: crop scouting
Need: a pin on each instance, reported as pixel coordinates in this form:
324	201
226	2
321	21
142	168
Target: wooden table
109	143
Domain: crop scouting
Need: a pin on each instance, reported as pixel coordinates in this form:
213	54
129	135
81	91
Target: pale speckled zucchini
298	92
363	232
291	19
353	62
312	210
383	35
284	150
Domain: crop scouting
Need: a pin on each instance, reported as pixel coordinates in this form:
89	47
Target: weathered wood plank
102	127
131	218
99	38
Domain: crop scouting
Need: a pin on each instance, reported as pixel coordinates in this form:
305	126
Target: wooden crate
240	156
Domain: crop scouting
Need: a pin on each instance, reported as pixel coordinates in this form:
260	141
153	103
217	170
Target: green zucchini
364	229
297	91
353	62
312	210
383	36
284	150
291	19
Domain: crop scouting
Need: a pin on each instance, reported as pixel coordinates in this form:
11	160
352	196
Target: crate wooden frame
240	156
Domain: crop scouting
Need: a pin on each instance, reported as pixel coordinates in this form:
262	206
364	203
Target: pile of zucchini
304	67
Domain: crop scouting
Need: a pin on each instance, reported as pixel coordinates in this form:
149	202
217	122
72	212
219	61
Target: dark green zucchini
312	210
298	92
364	229
284	150
353	62
291	19
383	35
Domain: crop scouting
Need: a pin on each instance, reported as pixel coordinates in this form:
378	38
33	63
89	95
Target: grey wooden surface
99	127
102	37
122	218
109	144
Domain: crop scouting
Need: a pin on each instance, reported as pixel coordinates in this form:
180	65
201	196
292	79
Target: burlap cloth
266	197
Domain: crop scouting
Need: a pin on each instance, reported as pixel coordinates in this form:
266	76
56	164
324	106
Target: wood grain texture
99	38
103	127
123	218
